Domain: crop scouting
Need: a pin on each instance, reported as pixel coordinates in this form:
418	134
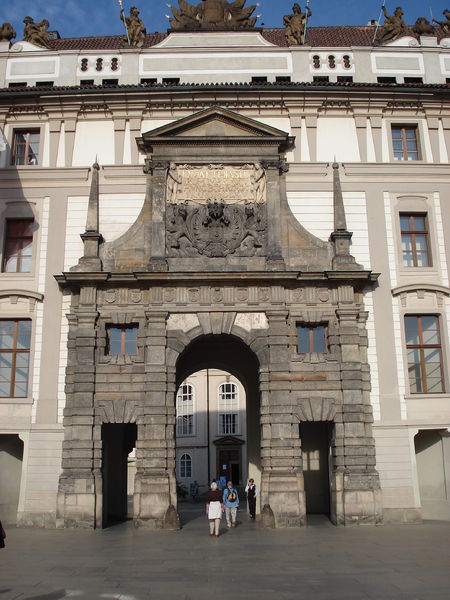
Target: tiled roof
329	37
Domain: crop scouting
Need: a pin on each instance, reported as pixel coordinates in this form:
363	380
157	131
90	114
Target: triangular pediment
214	124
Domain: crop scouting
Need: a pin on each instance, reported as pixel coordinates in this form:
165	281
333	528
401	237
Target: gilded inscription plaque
227	183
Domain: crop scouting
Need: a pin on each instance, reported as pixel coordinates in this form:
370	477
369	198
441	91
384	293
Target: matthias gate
216	271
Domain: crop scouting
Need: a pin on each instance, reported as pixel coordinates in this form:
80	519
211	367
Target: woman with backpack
231	501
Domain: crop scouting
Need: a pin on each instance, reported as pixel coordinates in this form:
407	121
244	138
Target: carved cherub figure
444	25
394	25
7	32
36	33
136	28
173	181
296	24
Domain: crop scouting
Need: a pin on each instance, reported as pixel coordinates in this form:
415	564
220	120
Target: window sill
435	396
16	400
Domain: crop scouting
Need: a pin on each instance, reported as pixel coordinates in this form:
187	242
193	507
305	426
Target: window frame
181	415
183	464
8	220
28	131
421	347
14	351
412	232
403	127
233	409
311	327
124	328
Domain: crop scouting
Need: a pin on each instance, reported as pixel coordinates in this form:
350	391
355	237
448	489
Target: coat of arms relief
215	210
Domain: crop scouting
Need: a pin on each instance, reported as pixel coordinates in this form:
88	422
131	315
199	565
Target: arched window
185	410
185	466
228	409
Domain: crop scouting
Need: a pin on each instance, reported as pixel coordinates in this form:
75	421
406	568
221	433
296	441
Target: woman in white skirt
214	509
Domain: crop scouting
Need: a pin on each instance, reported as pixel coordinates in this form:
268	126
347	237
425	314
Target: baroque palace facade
268	206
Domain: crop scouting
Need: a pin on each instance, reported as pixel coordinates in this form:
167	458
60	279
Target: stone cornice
22	294
288	278
415	287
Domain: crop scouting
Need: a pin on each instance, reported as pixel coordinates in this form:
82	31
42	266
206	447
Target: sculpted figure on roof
423	27
136	28
394	26
296	25
7	32
36	33
212	15
444	25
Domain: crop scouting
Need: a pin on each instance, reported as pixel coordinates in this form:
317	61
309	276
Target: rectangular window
25	147
122	340
385	80
423	346
17	253
15	339
228	423
405	142
415	240
312	338
185	410
228	409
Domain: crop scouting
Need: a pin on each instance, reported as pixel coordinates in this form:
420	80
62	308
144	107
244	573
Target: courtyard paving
320	562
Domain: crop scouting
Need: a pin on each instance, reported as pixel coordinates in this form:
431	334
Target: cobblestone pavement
320	562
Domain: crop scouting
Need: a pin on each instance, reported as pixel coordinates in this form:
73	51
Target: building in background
239	201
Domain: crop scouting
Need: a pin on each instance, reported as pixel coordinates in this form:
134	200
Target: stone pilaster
274	172
356	495
283	501
80	484
157	189
155	484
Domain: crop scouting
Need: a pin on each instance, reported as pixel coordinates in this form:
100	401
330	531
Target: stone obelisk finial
92	238
340	237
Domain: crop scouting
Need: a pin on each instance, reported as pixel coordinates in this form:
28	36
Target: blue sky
77	18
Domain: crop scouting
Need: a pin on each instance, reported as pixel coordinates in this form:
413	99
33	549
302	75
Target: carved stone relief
216	229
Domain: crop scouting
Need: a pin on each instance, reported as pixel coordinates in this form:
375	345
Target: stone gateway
248	258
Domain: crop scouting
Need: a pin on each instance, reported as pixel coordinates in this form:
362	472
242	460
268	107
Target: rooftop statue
7	32
216	15
135	27
394	26
296	25
36	33
423	27
444	25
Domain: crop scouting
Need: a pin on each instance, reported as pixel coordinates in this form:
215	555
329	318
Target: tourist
2	536
214	509
231	501
252	492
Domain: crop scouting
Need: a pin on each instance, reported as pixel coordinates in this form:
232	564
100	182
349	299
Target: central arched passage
224	430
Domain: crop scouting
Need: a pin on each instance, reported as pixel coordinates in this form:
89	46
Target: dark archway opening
118	440
226	446
316	444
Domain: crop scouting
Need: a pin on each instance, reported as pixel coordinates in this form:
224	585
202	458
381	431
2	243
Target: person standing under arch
252	492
